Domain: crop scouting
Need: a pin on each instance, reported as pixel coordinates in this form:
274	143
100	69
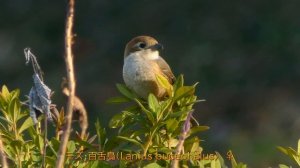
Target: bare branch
71	84
80	112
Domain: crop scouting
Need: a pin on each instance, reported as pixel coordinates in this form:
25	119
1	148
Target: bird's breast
139	74
136	68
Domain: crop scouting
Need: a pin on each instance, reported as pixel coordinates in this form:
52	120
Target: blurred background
245	54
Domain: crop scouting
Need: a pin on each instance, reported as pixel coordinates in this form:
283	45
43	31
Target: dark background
245	54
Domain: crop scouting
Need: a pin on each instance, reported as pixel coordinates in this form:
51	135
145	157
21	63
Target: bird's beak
157	46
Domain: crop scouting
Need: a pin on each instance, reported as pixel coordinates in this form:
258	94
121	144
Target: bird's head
143	45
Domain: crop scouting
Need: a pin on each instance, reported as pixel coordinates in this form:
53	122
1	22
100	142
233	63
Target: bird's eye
142	45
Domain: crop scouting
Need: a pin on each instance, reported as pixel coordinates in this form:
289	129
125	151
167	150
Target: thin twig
2	154
45	139
71	84
80	112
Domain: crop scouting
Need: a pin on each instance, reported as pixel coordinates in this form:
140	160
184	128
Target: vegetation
149	134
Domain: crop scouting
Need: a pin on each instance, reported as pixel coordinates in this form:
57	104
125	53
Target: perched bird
142	63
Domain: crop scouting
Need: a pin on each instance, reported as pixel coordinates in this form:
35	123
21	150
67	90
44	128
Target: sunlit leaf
26	124
282	149
283	166
5	93
13	110
71	147
196	129
184	91
15	94
163	82
153	102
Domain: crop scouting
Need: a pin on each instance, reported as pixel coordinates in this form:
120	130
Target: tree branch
71	84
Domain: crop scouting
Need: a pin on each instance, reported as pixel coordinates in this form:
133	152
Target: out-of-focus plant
292	153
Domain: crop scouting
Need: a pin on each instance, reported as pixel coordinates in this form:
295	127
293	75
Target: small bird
142	63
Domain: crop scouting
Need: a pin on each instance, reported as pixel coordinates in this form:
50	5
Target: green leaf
179	82
71	147
14	109
125	91
103	164
16	143
171	125
85	144
112	143
232	159
26	124
117	100
39	142
131	140
6	120
283	166
153	165
15	94
153	103
163	82
5	93
94	164
117	120
148	113
21	115
179	113
2	102
101	134
184	91
192	144
50	160
221	160
282	149
196	129
55	144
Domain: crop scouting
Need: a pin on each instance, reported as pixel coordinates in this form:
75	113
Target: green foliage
152	128
24	142
292	153
14	121
149	134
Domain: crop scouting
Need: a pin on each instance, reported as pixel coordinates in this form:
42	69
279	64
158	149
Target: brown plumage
142	63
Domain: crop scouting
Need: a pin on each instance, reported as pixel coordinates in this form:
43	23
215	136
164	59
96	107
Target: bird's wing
166	70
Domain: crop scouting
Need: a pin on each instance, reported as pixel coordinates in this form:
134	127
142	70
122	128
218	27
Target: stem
71	84
45	142
182	137
147	145
2	154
